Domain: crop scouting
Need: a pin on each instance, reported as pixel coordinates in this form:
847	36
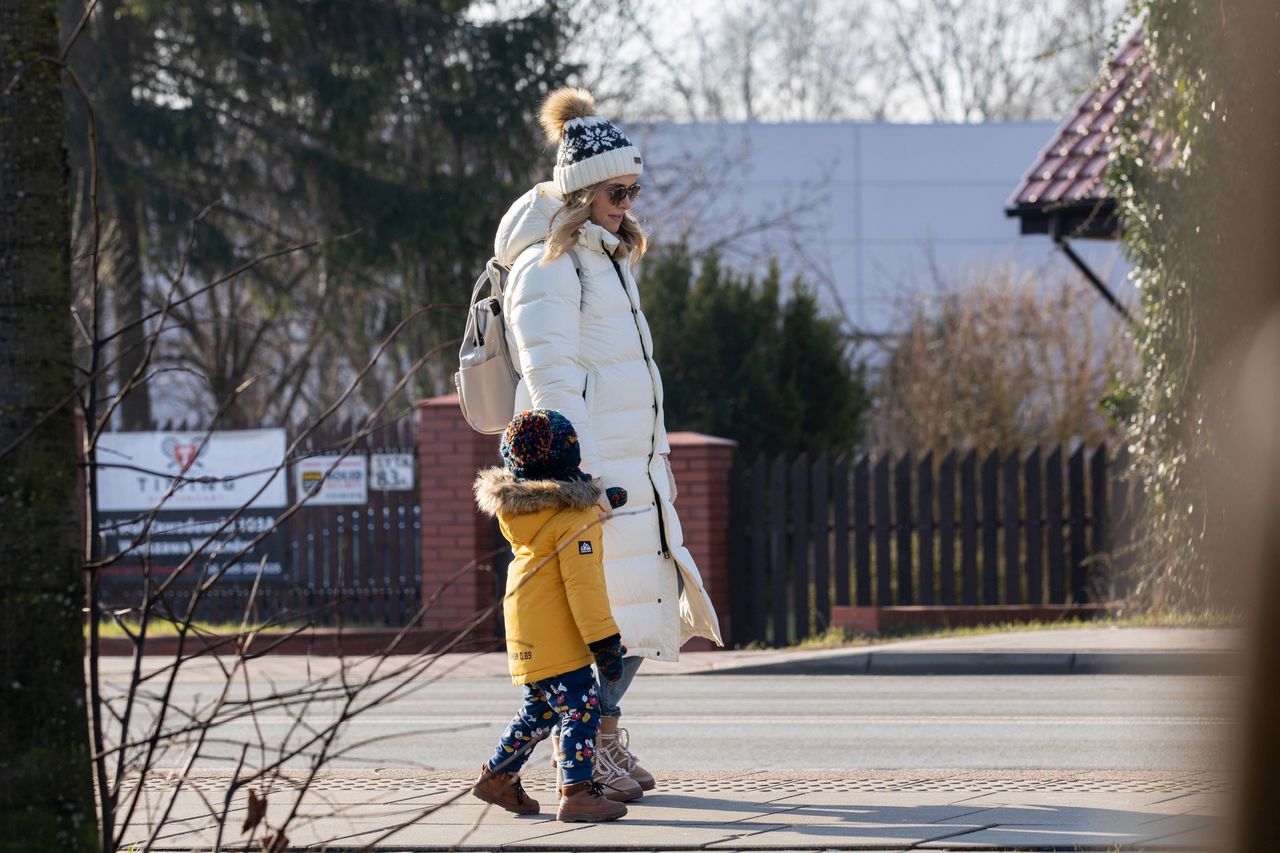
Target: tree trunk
118	31
135	409
46	796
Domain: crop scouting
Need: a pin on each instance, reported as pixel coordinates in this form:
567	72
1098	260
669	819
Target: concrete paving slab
423	836
862	813
678	808
1134	801
842	836
1200	838
1037	838
636	833
484	835
340	835
1177	824
465	813
1090	820
1043	815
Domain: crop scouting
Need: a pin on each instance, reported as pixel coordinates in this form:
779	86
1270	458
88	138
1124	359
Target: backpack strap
493	271
578	268
578	265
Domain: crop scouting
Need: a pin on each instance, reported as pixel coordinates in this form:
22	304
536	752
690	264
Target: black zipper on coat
657	498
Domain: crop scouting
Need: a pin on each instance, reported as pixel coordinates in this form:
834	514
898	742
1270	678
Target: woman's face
603	211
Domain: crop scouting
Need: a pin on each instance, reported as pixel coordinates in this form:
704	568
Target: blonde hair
568	221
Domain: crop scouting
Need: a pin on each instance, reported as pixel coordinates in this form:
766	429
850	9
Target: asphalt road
760	723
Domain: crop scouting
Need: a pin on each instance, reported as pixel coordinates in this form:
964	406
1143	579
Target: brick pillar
701	466
454	532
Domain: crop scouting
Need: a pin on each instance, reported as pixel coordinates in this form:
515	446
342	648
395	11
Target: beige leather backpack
487	374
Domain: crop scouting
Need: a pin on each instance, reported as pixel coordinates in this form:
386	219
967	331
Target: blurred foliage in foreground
1195	238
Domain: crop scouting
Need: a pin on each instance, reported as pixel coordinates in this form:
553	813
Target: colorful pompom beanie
541	444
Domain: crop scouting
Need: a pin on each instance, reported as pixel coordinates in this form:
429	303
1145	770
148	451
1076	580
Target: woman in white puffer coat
574	320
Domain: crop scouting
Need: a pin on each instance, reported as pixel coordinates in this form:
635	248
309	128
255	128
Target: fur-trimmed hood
499	492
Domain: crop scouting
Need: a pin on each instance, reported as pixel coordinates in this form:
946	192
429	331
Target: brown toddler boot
585	801
504	790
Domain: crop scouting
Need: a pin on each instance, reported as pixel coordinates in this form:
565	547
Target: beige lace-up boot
614	743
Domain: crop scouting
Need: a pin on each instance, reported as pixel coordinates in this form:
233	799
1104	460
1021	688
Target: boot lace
606	767
518	787
597	790
622	744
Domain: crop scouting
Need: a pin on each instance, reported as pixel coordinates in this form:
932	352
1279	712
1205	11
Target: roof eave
1095	219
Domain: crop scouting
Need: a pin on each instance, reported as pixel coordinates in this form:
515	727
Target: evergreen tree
739	362
408	126
815	366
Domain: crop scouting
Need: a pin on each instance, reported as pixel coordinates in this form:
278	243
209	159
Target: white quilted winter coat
585	351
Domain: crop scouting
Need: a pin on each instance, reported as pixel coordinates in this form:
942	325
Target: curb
998	663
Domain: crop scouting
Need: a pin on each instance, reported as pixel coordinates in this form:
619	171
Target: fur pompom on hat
541	444
591	148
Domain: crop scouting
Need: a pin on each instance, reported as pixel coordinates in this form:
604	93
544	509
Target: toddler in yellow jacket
556	610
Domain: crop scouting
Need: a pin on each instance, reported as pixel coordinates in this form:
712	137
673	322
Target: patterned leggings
569	700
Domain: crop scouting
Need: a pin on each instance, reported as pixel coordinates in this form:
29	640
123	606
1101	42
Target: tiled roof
1070	169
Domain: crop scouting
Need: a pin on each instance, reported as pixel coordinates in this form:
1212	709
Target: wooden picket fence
998	529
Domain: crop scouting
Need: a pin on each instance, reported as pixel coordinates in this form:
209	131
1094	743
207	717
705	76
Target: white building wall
871	213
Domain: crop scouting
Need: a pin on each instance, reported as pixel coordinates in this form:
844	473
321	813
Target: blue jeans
568	701
611	694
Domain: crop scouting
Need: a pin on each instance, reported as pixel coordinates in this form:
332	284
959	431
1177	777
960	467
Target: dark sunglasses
617	192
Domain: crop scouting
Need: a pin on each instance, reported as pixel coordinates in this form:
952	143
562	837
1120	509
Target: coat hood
499	492
528	221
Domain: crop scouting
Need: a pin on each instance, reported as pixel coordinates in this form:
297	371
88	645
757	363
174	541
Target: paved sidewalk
895	811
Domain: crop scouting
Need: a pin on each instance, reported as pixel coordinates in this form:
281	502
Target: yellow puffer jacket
556	602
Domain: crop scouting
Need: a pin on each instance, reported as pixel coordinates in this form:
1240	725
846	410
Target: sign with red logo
196	484
141	471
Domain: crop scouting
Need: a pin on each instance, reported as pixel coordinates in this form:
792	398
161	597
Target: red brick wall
701	466
454	532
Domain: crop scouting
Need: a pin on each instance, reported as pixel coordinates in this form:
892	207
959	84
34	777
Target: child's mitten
611	499
609	653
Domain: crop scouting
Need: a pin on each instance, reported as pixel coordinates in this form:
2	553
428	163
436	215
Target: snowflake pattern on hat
582	140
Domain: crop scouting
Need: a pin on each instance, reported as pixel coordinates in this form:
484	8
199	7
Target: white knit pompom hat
591	148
